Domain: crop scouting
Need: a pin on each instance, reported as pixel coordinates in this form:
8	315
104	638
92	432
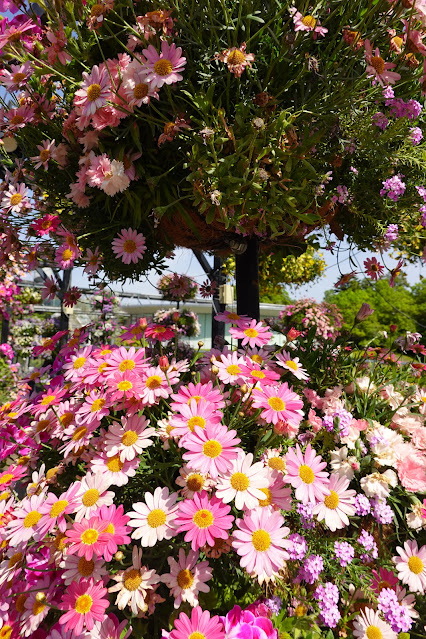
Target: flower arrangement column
247	279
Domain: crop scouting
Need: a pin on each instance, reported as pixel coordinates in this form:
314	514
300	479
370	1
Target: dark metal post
5	324
218	328
65	282
247	278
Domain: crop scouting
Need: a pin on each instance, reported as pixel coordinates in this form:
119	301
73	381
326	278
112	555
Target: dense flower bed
143	496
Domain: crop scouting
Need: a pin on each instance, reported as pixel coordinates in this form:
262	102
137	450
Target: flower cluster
177	288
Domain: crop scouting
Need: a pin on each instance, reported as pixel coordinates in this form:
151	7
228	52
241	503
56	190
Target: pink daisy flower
187	577
243	482
194	415
114	522
65	256
236	59
230	317
164	67
94	261
124	386
117	472
252	374
154	519
253	334
336	508
129	245
199	392
277	495
203	520
129	438
46	224
260	542
162	333
71	297
279	403
55	508
383	579
94	92
137	90
411	566
95	407
230	368
199	626
193	482
87	538
112	629
211	449
78	568
85	604
17	77
75	368
373	268
50	289
24	526
307	23
292	364
305	473
122	359
154	385
368	625
15	198
377	68
93	494
46	152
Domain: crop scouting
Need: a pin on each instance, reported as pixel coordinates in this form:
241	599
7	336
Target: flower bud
200	344
364	312
40	597
214	370
293	334
244	388
119	556
163	363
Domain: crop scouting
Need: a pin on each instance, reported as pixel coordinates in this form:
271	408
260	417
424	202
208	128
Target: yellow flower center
197	635
83	604
89	536
110	529
268	500
212	448
80	361
163	67
373	632
79	433
129	246
102	367
59	541
233	369
261	540
309	21
132	579
203	518
276	403
48	400
16	199
65	420
38	607
67	255
416	565
18	77
90	497
32	519
291	364
251	332
240	481
6	478
195	482
93	92
276	463
156	518
129	438
114	464
15	559
258	374
85	567
332	500
153	382
96	11
97	405
257	358
58	508
306	474
185	579
124	385
233	316
236	57
51	473
140	91
300	610
44	155
197	420
378	64
423	399
126	365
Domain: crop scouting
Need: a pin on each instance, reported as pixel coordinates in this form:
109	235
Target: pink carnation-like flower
305	473
260	542
211	449
200	625
164	67
203	520
85	603
129	245
412	473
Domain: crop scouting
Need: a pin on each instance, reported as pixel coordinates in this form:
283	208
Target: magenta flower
253	334
279	403
211	449
164	67
373	268
305	473
85	603
203	520
87	538
260	542
129	245
200	625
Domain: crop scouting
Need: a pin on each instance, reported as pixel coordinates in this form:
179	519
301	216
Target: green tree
397	306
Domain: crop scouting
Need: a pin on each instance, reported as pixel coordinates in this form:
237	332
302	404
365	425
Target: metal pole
247	279
65	283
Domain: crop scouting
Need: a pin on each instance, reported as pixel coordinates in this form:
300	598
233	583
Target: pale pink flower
137	90
279	404
292	364
129	245
94	261
243	482
134	584
94	92
203	520
412	472
129	438
236	59
211	449
55	508
336	508
187	577
305	473
411	566
92	495
17	77
377	68
46	149
259	540
154	385
254	334
164	67
117	472
193	482
15	198
78	568
368	624
196	414
24	526
307	23
154	519
229	368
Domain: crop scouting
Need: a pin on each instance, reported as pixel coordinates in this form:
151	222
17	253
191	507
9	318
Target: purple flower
327	596
395	613
344	552
367	541
382	512
362	506
380	120
416	135
311	569
391	232
393	188
306	515
298	548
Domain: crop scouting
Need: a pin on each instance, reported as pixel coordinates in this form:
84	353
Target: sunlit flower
187	577
94	92
203	520
134	584
164	67
129	245
154	519
305	472
411	566
236	59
